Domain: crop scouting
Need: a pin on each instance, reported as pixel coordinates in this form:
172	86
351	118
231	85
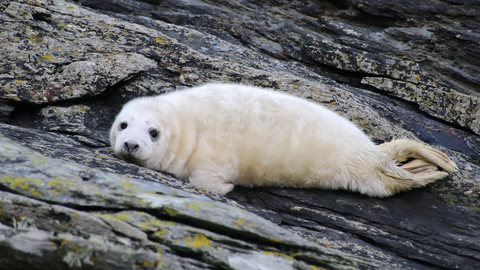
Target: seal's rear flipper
421	166
402	150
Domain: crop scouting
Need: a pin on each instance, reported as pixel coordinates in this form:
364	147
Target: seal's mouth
130	158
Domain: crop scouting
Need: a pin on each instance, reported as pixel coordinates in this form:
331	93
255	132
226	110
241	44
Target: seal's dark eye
123	126
153	133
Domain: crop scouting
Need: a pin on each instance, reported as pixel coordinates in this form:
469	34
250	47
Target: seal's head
136	132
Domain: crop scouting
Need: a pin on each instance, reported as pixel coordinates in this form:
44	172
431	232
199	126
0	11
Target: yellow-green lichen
46	57
119	216
197	241
143	203
274	253
154	224
62	26
37	161
317	267
194	207
36	39
62	186
127	185
161	233
144	264
171	212
150	225
36	193
23	183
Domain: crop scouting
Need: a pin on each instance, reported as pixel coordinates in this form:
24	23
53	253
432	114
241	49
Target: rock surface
395	68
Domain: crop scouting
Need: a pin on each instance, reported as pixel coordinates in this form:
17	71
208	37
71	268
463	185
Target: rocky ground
398	69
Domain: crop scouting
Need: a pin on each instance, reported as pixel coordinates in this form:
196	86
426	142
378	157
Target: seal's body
220	135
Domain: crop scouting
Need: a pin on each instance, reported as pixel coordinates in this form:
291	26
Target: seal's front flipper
213	181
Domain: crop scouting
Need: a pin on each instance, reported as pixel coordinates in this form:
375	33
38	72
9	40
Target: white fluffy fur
220	135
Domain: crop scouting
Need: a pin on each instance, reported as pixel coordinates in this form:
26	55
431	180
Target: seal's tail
420	169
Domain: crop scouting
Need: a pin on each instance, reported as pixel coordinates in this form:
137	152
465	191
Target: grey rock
33	175
457	108
49	59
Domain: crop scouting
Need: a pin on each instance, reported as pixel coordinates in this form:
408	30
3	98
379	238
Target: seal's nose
131	147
